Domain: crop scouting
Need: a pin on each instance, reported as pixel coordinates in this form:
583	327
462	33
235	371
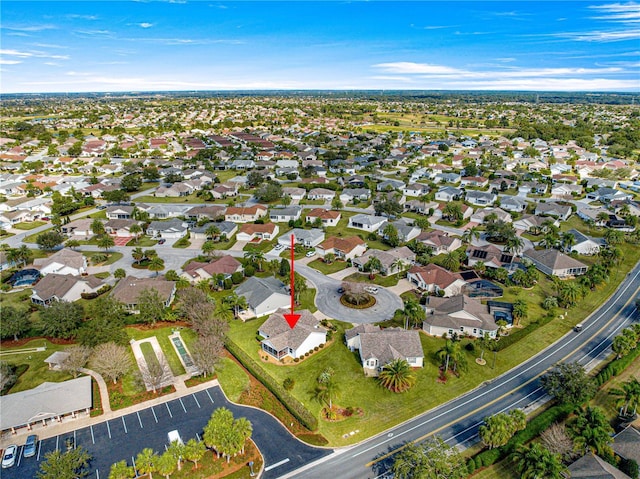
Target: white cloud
410	67
16	53
145	25
29	28
600	36
9	62
617	12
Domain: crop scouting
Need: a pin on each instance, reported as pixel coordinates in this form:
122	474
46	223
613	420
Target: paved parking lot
124	437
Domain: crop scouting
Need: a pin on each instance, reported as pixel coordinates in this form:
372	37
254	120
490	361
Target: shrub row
94	295
533	430
294	406
515	336
616	366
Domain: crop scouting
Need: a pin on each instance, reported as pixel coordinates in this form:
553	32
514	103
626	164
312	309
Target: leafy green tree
397	376
285	269
499	428
120	470
131	182
15	321
176	450
61	319
327	388
628	396
106	323
70	464
194	451
536	462
413	313
373	265
220	425
451	261
568	383
106	242
49	240
137	254
135	230
156	264
433	459
256	257
390	234
452	356
269	192
150	305
119	273
591	432
165	464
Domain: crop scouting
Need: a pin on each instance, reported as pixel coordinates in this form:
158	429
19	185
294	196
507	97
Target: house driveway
340	275
328	300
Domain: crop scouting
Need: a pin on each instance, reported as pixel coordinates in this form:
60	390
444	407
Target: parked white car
9	456
371	289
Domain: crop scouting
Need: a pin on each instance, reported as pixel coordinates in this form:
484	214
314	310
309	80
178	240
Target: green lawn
192	198
182	243
37	370
233	379
142	242
162	334
29	225
380	280
307	300
149	355
112	257
325	268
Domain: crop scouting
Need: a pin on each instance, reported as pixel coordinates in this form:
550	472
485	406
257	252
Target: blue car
30	446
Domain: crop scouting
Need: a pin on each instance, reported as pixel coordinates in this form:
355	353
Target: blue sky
80	46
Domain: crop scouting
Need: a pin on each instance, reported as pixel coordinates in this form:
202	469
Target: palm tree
412	312
628	396
548	241
470	234
536	462
602	217
451	261
451	354
569	292
72	243
97	227
146	462
212	232
453	212
398	265
194	450
176	449
156	264
135	229
120	470
138	255
520	310
373	265
513	244
243	428
106	242
256	257
568	241
165	464
208	248
236	303
485	343
397	376
24	254
591	431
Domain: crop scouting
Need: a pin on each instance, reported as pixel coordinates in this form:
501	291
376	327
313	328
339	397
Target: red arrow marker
292	318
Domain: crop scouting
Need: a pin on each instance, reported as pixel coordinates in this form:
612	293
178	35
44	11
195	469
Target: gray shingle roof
282	336
553	259
389	344
257	290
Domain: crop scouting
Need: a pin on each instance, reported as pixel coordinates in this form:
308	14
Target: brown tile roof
434	274
251	228
223	265
342	244
248	210
324	214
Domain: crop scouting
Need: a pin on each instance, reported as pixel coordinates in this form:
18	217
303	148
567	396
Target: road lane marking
182	404
154	414
139	420
167	404
207	391
471	413
196	399
277	464
108	429
93	439
19	455
125	426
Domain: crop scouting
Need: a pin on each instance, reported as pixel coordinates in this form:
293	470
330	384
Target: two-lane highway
457	421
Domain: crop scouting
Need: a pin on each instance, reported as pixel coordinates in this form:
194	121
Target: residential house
281	340
563	190
351	194
257	232
514	204
480	198
453	178
245	214
379	348
296	194
343	248
590	214
226	229
502	184
63	287
555	263
480	216
448	194
351	336
584	244
284	215
160	211
390	185
421	207
227	190
170	229
474	181
5	262
128	291
416	189
327	217
458	314
321	194
263	295
533	224
120	228
562	212
370	223
593	467
607	195
393	261
207	212
195	271
119	212
78	229
406	232
532	188
435	279
440	242
307	238
64	261
490	255
626	444
176	190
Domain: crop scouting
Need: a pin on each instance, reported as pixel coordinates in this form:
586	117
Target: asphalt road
328	299
457	421
124	437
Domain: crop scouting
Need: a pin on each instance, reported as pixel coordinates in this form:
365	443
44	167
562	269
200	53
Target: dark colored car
162	241
30	446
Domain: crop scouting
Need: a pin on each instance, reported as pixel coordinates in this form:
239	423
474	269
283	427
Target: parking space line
198	437
39	448
93	439
196	399
139	420
183	408
154	415
57	439
125	426
97	474
20	454
277	464
207	391
133	461
167	404
108	429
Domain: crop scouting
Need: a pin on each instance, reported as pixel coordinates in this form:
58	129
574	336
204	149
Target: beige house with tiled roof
245	214
63	287
280	340
393	260
459	314
259	232
440	241
344	248
65	261
196	271
555	263
128	290
436	279
328	217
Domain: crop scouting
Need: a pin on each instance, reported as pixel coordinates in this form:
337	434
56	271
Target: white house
65	261
307	238
171	229
263	295
365	222
63	287
284	215
435	279
280	340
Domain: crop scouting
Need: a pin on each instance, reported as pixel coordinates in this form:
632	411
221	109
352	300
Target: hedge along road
123	437
328	299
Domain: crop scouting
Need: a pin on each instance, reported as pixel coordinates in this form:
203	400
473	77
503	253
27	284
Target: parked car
45	218
371	289
9	456
577	328
101	207
340	290
278	247
310	254
162	241
30	446
174	436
